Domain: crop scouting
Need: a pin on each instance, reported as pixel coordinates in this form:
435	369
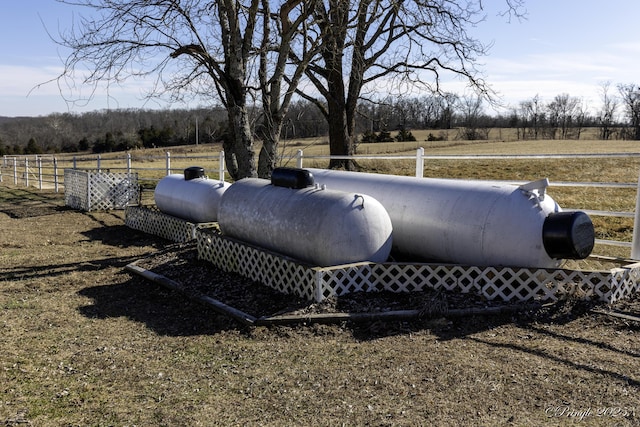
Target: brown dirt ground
83	342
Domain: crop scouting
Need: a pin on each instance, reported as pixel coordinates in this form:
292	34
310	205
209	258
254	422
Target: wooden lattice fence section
89	190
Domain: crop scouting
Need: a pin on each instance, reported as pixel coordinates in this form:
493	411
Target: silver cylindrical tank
194	199
317	226
472	222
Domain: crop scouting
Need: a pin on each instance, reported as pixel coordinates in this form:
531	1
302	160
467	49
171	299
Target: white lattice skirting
152	221
88	190
614	281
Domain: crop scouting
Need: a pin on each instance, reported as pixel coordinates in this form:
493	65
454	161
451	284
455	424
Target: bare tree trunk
334	27
268	158
243	158
339	138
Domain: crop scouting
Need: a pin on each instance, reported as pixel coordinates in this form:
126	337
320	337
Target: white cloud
17	80
580	74
630	47
28	90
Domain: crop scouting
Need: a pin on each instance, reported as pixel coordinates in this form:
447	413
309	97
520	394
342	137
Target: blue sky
564	46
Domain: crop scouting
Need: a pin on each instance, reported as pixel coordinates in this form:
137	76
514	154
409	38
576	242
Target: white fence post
635	242
221	167
55	173
420	163
26	172
299	156
128	164
15	171
39	161
168	163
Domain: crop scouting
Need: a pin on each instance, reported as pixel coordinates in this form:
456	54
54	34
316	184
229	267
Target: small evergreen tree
405	135
32	147
83	144
384	136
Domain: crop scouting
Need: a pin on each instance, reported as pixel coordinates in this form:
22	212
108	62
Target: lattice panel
347	279
76	189
494	283
89	191
271	269
152	221
113	190
625	282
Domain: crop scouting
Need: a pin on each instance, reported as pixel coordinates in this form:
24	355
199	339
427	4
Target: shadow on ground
56	269
122	236
29	202
164	311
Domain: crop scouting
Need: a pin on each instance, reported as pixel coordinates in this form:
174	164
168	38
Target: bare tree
630	96
581	117
606	115
400	44
563	112
430	111
531	117
474	124
213	48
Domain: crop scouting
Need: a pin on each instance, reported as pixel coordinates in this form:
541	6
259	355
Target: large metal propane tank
311	224
190	196
473	222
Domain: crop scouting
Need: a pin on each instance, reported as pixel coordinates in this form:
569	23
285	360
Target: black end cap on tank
292	178
193	172
568	235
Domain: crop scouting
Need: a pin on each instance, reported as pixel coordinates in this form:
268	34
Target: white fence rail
47	171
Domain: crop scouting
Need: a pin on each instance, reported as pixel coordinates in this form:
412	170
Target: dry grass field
83	342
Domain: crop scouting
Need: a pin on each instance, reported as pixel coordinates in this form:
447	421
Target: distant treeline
120	130
109	130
